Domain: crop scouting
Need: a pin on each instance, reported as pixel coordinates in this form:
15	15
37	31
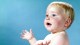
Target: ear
68	22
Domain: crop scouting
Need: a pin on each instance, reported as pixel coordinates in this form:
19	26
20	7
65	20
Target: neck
57	32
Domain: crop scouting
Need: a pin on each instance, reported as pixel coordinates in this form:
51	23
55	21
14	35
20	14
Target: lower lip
48	25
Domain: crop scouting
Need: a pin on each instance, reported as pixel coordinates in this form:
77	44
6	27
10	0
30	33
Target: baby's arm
28	36
42	42
46	41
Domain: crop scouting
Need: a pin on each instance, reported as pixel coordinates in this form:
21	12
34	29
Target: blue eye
53	14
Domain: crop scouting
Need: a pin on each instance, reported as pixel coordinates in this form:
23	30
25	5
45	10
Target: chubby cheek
58	22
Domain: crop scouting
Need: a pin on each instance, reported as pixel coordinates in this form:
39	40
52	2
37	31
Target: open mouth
48	24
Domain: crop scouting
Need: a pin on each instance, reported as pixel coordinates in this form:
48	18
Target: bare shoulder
60	35
56	35
59	39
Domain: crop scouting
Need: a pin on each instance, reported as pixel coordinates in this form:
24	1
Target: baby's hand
27	35
42	42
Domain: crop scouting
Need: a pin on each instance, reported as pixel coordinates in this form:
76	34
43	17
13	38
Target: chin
50	30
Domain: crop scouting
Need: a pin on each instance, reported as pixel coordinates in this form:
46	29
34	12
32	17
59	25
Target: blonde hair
67	7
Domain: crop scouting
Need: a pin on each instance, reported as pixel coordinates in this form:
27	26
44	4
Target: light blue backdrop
16	15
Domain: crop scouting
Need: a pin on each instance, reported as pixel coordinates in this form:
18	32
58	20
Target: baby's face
55	19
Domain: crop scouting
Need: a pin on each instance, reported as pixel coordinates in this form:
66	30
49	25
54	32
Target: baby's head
59	16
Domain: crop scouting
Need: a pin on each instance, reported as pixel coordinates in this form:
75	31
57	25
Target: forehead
55	9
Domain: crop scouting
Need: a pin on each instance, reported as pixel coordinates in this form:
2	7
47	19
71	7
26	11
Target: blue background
17	15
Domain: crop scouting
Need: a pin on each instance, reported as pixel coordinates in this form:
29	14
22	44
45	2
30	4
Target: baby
59	17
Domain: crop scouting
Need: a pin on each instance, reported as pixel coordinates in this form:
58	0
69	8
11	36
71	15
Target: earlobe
68	22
